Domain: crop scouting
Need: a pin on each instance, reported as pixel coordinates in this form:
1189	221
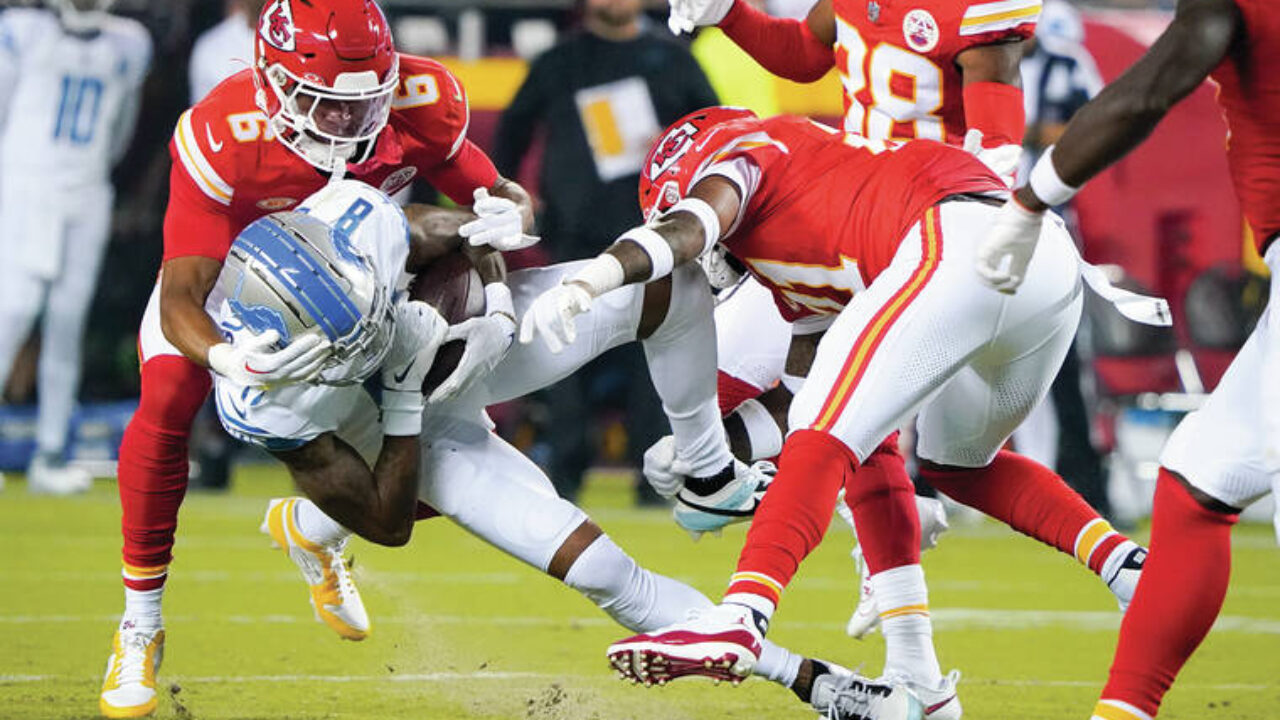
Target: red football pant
1029	498
153	459
1183	583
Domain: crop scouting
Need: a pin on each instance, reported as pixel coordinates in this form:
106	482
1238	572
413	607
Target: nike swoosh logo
720	511
399	377
937	706
215	145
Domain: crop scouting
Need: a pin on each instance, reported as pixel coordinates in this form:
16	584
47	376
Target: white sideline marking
950	618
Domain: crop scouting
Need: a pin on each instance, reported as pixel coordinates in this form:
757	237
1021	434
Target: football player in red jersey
1223	456
879	238
328	96
945	70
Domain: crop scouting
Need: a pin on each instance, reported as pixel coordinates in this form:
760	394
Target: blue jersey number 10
78	110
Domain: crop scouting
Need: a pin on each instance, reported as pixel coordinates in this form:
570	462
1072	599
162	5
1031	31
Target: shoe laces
133	657
853	699
341	567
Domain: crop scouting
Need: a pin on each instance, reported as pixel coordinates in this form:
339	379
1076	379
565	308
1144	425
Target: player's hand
1003	160
419	333
498	224
552	316
665	473
488	339
1006	252
687	15
253	361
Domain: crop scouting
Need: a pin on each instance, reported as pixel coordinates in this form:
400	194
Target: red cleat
721	643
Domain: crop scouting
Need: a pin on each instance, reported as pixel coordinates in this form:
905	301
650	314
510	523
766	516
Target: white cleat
1122	570
45	478
334	595
865	616
845	695
941	702
734	501
721	643
129	685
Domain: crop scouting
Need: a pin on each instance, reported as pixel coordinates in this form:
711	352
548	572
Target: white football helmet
294	274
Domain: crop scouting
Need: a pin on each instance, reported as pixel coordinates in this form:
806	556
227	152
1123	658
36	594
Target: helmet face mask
326	78
81	15
292	273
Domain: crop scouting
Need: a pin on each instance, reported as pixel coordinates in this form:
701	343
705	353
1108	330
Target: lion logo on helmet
277	27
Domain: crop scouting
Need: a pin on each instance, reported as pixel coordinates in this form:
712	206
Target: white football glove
498	224
1003	256
687	15
1003	160
662	469
419	332
252	362
488	339
552	316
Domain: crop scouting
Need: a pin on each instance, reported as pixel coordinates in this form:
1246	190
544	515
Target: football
452	286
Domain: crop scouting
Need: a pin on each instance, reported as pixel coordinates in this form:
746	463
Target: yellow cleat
129	687
334	595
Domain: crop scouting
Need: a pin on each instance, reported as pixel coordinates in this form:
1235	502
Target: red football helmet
669	166
326	73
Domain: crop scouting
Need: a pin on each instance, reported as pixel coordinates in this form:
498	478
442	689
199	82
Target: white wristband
1046	184
705	214
656	247
497	299
603	273
762	430
401	412
792	383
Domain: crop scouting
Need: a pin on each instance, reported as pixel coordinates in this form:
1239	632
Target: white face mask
82	15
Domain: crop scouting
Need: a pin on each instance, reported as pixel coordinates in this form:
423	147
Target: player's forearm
185	283
1128	110
785	47
433	233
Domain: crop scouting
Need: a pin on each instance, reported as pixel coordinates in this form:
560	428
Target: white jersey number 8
877	119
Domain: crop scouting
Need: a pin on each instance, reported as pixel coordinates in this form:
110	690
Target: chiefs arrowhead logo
277	27
671	148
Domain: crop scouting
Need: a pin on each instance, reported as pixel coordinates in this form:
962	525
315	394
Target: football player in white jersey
358	467
70	79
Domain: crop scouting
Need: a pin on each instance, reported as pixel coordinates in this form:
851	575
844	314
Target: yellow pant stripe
920	609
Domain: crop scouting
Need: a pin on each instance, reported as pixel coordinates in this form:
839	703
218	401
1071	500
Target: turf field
461	631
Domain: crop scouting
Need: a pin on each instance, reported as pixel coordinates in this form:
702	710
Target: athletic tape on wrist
661	259
602	274
762	429
1046	184
705	214
497	300
401	412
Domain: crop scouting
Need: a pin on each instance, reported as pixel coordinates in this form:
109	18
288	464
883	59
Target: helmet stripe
310	285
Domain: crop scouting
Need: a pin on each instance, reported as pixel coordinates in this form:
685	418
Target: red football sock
1033	500
1181	591
153	465
794	514
883	502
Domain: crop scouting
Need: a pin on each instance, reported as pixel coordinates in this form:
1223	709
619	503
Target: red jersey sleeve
198	220
986	23
431	107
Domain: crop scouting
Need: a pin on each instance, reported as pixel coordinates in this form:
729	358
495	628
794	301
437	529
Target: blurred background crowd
567	95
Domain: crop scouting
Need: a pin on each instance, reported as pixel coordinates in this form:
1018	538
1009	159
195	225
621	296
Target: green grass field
461	631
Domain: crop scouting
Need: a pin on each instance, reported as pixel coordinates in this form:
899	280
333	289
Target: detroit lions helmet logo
277	27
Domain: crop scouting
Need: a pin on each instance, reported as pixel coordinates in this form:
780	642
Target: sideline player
328	434
913	330
1223	456
945	70
70	85
336	99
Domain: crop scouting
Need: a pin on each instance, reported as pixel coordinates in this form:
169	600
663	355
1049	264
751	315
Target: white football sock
682	363
638	599
142	609
315	526
777	664
903	600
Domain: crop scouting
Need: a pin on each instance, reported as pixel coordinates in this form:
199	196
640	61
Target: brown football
452	286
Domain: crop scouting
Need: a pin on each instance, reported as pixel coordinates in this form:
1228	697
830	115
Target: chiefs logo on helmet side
277	27
672	147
